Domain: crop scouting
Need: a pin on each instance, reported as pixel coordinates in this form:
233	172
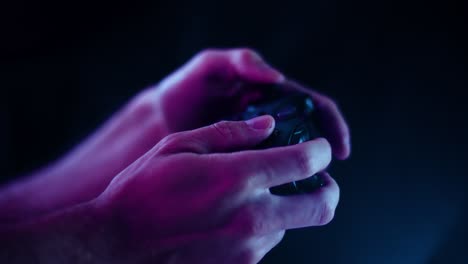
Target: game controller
295	119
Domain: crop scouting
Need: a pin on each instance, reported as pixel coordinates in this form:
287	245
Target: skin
159	182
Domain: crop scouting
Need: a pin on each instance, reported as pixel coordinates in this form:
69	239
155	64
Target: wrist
75	235
46	191
85	172
22	200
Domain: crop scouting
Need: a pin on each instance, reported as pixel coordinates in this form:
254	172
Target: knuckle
246	54
230	179
276	238
252	224
247	256
329	200
207	55
255	227
328	102
279	236
269	172
242	183
326	213
224	129
215	65
169	143
303	160
142	106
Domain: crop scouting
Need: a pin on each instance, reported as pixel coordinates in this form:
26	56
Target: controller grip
294	115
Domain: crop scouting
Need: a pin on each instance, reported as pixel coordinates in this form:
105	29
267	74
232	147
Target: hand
212	85
218	83
201	196
330	120
213	79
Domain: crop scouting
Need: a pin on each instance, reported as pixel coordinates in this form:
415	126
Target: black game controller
294	114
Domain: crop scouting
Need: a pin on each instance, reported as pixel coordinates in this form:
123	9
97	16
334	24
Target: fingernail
260	123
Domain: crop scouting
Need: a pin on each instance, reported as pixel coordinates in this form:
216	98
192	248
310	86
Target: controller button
275	133
299	135
251	109
308	106
286	112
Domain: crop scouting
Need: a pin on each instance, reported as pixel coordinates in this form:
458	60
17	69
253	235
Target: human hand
222	80
212	82
201	196
330	120
219	83
212	85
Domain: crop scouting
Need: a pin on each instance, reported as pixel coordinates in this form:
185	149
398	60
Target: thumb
224	136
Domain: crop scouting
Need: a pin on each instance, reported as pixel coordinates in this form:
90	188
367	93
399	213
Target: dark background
398	69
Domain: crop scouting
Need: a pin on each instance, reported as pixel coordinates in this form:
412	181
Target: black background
398	70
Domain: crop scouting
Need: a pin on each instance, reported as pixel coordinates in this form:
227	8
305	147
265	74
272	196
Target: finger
224	136
331	120
242	64
269	213
264	244
279	165
233	64
313	209
237	70
252	67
